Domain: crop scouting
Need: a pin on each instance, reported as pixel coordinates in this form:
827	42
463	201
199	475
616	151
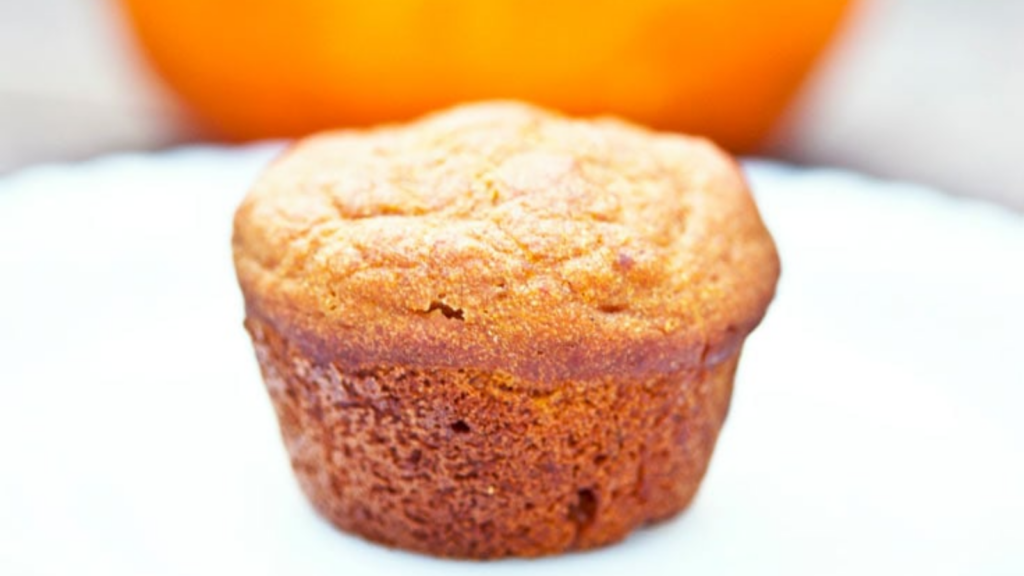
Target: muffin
498	331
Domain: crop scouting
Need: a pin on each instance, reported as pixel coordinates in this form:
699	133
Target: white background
875	427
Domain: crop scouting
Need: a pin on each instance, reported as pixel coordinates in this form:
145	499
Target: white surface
875	426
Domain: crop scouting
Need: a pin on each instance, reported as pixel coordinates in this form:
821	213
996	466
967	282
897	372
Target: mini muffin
498	331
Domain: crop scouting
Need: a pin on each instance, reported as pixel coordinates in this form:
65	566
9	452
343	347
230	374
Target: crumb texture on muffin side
464	463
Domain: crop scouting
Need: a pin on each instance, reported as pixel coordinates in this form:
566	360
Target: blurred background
923	90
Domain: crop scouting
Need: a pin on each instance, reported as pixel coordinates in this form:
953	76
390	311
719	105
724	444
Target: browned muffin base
460	463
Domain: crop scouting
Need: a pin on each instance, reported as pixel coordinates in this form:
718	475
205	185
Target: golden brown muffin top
506	237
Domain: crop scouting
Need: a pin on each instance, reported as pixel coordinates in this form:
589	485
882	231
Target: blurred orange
253	69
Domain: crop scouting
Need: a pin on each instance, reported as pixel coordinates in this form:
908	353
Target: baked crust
503	237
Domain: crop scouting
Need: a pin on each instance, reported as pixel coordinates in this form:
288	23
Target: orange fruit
254	69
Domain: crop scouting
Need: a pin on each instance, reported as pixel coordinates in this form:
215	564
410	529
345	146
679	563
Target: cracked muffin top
505	237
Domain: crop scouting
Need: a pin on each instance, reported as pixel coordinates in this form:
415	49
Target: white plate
875	426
